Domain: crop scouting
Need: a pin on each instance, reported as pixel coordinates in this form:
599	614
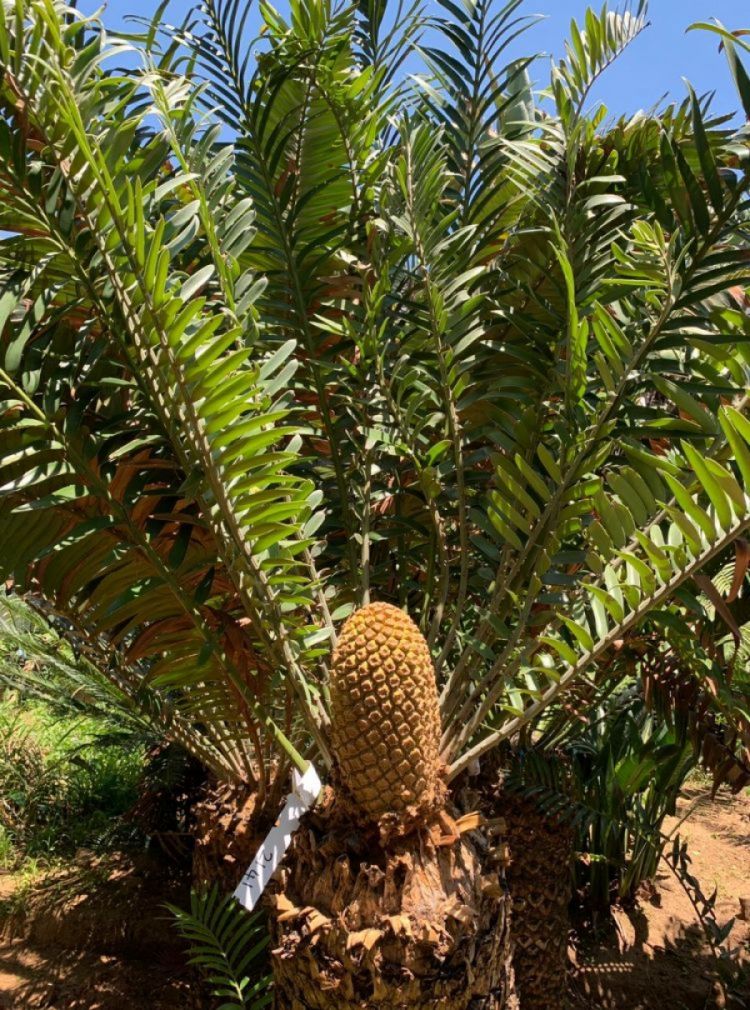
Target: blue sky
654	66
657	62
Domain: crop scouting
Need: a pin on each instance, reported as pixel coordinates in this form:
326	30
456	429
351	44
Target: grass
64	782
6	848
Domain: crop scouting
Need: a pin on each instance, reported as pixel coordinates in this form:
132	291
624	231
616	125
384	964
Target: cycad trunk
540	849
415	923
539	878
228	828
383	903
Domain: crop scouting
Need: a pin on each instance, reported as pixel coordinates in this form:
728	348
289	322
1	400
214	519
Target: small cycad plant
229	947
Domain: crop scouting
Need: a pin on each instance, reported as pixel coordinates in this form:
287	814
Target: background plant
71	754
615	761
62	785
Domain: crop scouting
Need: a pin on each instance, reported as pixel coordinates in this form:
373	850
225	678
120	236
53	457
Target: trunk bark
539	878
228	828
362	923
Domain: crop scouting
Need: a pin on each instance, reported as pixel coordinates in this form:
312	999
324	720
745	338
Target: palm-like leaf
432	341
228	945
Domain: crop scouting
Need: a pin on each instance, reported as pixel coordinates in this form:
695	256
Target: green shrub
63	783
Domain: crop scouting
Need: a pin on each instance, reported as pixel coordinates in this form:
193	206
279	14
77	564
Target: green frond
199	384
283	330
228	945
632	584
592	48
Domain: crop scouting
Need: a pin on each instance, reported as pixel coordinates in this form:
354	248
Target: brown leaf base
417	923
228	828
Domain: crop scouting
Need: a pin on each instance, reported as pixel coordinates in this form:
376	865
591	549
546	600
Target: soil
656	957
94	937
97	936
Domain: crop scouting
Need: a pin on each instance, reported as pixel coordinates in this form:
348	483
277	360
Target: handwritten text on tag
306	790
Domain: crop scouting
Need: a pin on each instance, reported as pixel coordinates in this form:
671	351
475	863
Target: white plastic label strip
306	791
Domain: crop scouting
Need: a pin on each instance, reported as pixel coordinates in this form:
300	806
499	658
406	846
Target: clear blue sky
654	66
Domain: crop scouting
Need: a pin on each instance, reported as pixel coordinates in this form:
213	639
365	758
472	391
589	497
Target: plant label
304	794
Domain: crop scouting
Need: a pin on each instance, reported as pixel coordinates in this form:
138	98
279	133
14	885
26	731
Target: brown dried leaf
430	935
366	938
445	841
462	913
316	921
492	888
281	903
293	913
496	826
741	563
706	586
470	822
401	925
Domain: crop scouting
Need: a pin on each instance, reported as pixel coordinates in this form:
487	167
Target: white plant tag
306	791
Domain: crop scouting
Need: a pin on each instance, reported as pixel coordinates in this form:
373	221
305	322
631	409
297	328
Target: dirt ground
656	958
97	937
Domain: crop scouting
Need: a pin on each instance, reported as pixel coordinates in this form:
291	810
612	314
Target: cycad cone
386	719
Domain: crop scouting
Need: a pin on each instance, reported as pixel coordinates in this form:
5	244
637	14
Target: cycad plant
613	786
590	788
349	318
228	947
